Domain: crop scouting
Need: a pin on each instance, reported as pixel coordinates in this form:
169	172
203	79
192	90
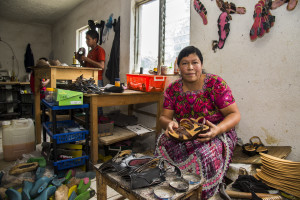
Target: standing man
95	57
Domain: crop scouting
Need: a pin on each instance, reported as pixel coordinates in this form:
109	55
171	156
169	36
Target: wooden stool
121	186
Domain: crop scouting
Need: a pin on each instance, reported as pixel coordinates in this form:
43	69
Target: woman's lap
210	160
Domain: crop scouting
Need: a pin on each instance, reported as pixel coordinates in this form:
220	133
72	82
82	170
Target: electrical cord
14	56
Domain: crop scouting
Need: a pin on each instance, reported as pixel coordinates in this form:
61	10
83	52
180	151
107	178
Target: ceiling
36	11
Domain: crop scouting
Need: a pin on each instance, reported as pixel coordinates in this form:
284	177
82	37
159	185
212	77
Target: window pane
177	28
82	40
148	35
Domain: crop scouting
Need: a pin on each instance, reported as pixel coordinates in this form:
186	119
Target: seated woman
197	94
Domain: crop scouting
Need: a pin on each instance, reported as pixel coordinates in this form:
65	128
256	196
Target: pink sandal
201	10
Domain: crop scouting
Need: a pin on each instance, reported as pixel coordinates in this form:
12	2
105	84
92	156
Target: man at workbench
95	57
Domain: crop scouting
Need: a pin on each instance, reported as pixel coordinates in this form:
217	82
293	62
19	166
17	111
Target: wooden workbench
129	97
55	73
114	181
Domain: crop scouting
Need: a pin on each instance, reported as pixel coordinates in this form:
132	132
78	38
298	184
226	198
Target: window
162	30
80	37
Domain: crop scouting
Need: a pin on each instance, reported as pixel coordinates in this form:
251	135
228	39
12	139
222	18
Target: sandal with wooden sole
188	130
259	146
249	149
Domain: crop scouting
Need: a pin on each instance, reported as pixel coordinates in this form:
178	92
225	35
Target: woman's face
190	68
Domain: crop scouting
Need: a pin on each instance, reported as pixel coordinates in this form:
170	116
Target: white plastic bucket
18	138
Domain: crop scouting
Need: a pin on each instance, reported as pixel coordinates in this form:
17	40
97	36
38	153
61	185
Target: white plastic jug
18	138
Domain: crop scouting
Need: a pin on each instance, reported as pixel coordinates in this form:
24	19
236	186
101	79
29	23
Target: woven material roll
280	174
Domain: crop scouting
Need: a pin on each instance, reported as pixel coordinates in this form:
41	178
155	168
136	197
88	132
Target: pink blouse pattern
205	102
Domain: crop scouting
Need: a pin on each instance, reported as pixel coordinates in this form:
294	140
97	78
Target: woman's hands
213	132
170	127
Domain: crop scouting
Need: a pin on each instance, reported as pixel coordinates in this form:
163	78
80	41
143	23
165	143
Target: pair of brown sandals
189	129
254	147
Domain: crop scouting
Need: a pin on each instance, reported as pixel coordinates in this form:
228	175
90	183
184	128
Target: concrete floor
111	194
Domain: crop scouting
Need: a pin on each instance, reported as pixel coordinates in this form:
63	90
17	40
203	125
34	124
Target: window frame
78	31
161	39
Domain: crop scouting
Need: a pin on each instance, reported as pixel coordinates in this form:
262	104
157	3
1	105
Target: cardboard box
105	129
67	97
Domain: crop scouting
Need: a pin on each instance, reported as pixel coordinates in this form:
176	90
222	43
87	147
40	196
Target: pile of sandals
189	129
280	174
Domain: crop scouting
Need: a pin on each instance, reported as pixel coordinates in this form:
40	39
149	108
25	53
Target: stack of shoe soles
280	174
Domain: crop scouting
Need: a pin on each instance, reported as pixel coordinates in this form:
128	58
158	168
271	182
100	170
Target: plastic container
146	83
18	138
66	137
117	82
49	94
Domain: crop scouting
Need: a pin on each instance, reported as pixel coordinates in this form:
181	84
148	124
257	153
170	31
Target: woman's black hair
93	34
187	51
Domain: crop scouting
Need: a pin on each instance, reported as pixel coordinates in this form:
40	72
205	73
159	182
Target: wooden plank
37	109
67	67
119	134
123	187
14	83
94	130
277	151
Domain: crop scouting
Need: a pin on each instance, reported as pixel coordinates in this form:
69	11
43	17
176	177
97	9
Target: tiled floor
111	194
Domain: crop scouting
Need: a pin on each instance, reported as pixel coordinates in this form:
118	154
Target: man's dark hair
93	34
43	58
187	51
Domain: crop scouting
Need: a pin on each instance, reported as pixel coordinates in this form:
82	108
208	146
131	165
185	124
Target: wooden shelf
14	83
277	151
119	134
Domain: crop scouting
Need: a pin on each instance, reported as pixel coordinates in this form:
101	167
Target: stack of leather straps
280	174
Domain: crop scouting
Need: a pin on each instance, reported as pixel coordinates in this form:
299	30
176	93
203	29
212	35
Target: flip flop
201	10
224	28
256	27
291	5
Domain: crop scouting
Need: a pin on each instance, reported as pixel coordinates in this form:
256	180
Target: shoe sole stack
280	174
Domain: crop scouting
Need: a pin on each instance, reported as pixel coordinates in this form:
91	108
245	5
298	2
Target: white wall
18	35
64	32
263	74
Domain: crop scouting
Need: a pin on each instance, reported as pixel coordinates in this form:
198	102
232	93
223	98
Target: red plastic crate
146	83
